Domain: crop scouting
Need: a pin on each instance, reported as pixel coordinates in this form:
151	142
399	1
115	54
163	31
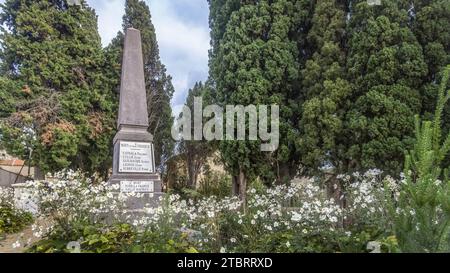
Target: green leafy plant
215	183
13	220
421	218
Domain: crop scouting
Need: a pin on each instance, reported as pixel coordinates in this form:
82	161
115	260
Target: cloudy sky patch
182	32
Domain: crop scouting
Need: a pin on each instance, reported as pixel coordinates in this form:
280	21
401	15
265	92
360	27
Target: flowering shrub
297	218
71	200
11	219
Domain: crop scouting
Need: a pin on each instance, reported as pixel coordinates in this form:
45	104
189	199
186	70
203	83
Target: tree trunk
242	188
284	174
235	186
191	173
195	179
335	190
38	174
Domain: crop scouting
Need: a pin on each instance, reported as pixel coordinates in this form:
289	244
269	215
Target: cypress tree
431	25
385	65
53	52
257	62
196	152
219	15
326	90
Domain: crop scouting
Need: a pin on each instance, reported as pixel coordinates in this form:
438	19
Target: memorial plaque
137	186
135	157
134	169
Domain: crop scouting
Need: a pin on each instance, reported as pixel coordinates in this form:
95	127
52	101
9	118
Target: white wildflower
16	244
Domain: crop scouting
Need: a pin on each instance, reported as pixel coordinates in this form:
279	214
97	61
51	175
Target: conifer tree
326	90
52	53
219	15
431	26
421	212
385	66
256	62
196	152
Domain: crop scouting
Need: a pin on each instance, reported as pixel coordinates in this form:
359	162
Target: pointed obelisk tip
133	98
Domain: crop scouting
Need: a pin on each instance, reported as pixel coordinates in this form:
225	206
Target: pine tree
385	65
421	212
53	52
158	83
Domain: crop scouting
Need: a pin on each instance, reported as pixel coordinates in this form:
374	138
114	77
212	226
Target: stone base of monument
145	200
134	170
141	192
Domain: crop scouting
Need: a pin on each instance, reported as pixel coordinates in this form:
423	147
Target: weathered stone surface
133	100
133	124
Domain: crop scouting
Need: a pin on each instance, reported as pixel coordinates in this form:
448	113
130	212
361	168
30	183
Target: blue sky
182	32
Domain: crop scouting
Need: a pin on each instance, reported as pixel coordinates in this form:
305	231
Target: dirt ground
24	237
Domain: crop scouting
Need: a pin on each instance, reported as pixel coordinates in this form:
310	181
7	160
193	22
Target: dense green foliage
13	220
385	66
57	98
349	78
326	90
431	26
255	60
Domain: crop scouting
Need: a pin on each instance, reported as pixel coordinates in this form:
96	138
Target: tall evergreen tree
431	25
385	65
196	152
256	62
61	100
219	15
326	89
158	83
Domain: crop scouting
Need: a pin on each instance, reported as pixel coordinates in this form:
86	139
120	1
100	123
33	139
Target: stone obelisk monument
134	162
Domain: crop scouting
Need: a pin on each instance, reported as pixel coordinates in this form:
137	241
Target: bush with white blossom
12	219
296	218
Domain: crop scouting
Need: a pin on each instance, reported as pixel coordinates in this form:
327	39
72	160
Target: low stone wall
8	178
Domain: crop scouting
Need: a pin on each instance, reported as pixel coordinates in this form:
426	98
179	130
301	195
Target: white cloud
183	44
110	14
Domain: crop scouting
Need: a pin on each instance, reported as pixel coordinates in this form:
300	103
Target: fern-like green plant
421	217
